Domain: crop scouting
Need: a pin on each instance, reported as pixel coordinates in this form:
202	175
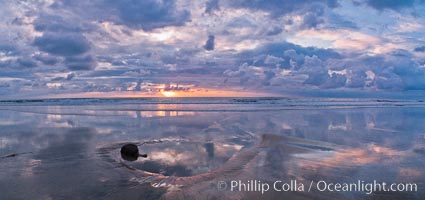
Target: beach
212	148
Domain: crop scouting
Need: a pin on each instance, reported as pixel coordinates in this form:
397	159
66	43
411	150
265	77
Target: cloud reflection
206	147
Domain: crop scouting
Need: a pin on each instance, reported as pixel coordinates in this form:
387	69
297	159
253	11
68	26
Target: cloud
316	79
62	44
287	52
86	62
7	49
341	39
327	69
146	14
277	63
13	58
18	63
26	63
211	6
385	4
357	79
420	49
410	72
73	47
55	23
311	11
274	30
335	80
270	45
209	44
4	85
389	81
338	21
70	76
281	7
46	59
313	17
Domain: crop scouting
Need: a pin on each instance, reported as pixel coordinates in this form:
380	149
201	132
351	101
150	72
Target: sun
168	93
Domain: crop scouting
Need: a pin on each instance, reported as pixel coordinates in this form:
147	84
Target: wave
209	100
180	106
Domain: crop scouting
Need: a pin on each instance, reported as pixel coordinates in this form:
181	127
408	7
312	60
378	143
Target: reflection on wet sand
272	155
163	113
78	156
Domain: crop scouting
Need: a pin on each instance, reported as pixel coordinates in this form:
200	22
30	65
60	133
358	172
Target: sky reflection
331	144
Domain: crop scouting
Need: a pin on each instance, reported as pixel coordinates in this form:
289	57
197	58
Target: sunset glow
168	93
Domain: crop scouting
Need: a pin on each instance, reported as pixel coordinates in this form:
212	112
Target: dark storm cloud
394	71
390	4
258	57
114	72
70	76
357	79
55	23
420	49
311	11
74	48
307	66
334	81
86	62
209	44
281	7
312	20
410	72
146	14
316	78
46	59
62	44
8	49
327	69
211	6
18	64
27	63
17	60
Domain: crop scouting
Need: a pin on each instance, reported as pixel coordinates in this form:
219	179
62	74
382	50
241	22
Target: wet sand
56	154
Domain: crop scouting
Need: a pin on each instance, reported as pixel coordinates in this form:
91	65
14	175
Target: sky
130	48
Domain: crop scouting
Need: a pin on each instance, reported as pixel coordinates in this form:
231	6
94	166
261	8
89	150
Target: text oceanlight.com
315	186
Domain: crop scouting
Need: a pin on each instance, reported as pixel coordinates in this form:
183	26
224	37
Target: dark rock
130	152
